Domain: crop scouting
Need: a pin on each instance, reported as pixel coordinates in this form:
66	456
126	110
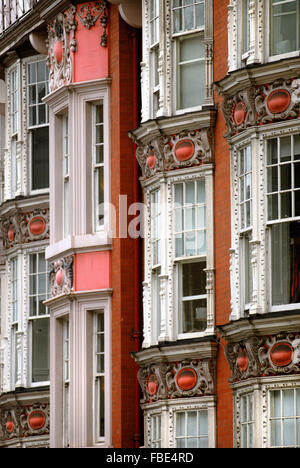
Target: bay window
38	318
284	33
14	304
247	421
154	53
99	350
245	212
156	261
66	177
98	166
283	196
14	128
191	429
190	241
284	418
190	52
38	124
156	431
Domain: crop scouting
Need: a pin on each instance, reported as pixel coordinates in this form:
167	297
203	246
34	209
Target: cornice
257	75
24	203
260	325
151	129
200	349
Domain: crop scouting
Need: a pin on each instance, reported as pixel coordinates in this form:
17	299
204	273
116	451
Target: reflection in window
284	26
191	429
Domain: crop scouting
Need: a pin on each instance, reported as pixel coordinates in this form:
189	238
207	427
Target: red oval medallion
239	113
186	379
152	385
243	360
281	354
37	226
58	51
59	277
11	234
278	101
184	150
37	420
9	426
151	160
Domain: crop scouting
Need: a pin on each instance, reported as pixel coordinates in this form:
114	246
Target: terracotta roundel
184	150
152	385
37	226
281	354
59	277
151	160
186	379
37	420
239	113
9	426
243	360
278	101
11	234
58	51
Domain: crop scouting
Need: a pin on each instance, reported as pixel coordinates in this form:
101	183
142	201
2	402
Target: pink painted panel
90	61
92	271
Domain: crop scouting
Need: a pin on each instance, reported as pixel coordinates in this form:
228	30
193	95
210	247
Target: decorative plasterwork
189	378
88	15
263	104
22	228
61	276
24	421
263	356
62	42
185	149
60	45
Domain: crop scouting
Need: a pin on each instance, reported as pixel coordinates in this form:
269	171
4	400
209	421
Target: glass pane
179	245
297	175
177	21
191	49
193	279
40	350
285	149
179	194
190	219
280	264
288	403
203	443
40	158
32	285
99	114
272	173
99	154
42	263
32	73
201	242
283	27
272	151
41	71
192	423
203	423
275	433
190	193
286	205
192	84
275	404
32	263
296	147
272	207
194	316
42	284
41	89
179	220
32	94
192	443
32	116
201	217
201	191
190	244
180	424
288	432
188	14
200	15
99	134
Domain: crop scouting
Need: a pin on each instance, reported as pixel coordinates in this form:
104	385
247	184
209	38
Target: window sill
275	58
286	307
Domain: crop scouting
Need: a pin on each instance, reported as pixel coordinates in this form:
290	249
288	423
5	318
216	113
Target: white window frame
280	220
66	381
66	176
14	317
98	166
167	410
269	32
31	128
32	318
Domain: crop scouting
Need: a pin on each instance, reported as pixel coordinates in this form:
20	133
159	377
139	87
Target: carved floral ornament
23	228
263	356
61	276
24	421
62	42
259	105
186	149
189	378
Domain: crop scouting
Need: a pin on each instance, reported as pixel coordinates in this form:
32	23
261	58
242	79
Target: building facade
149	212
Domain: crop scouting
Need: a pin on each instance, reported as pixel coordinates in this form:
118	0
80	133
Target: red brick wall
122	182
222	229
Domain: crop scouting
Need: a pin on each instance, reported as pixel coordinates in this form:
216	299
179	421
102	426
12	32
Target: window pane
284	24
40	350
280	264
192	424
275	433
273	151
194	316
180	424
193	279
40	158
